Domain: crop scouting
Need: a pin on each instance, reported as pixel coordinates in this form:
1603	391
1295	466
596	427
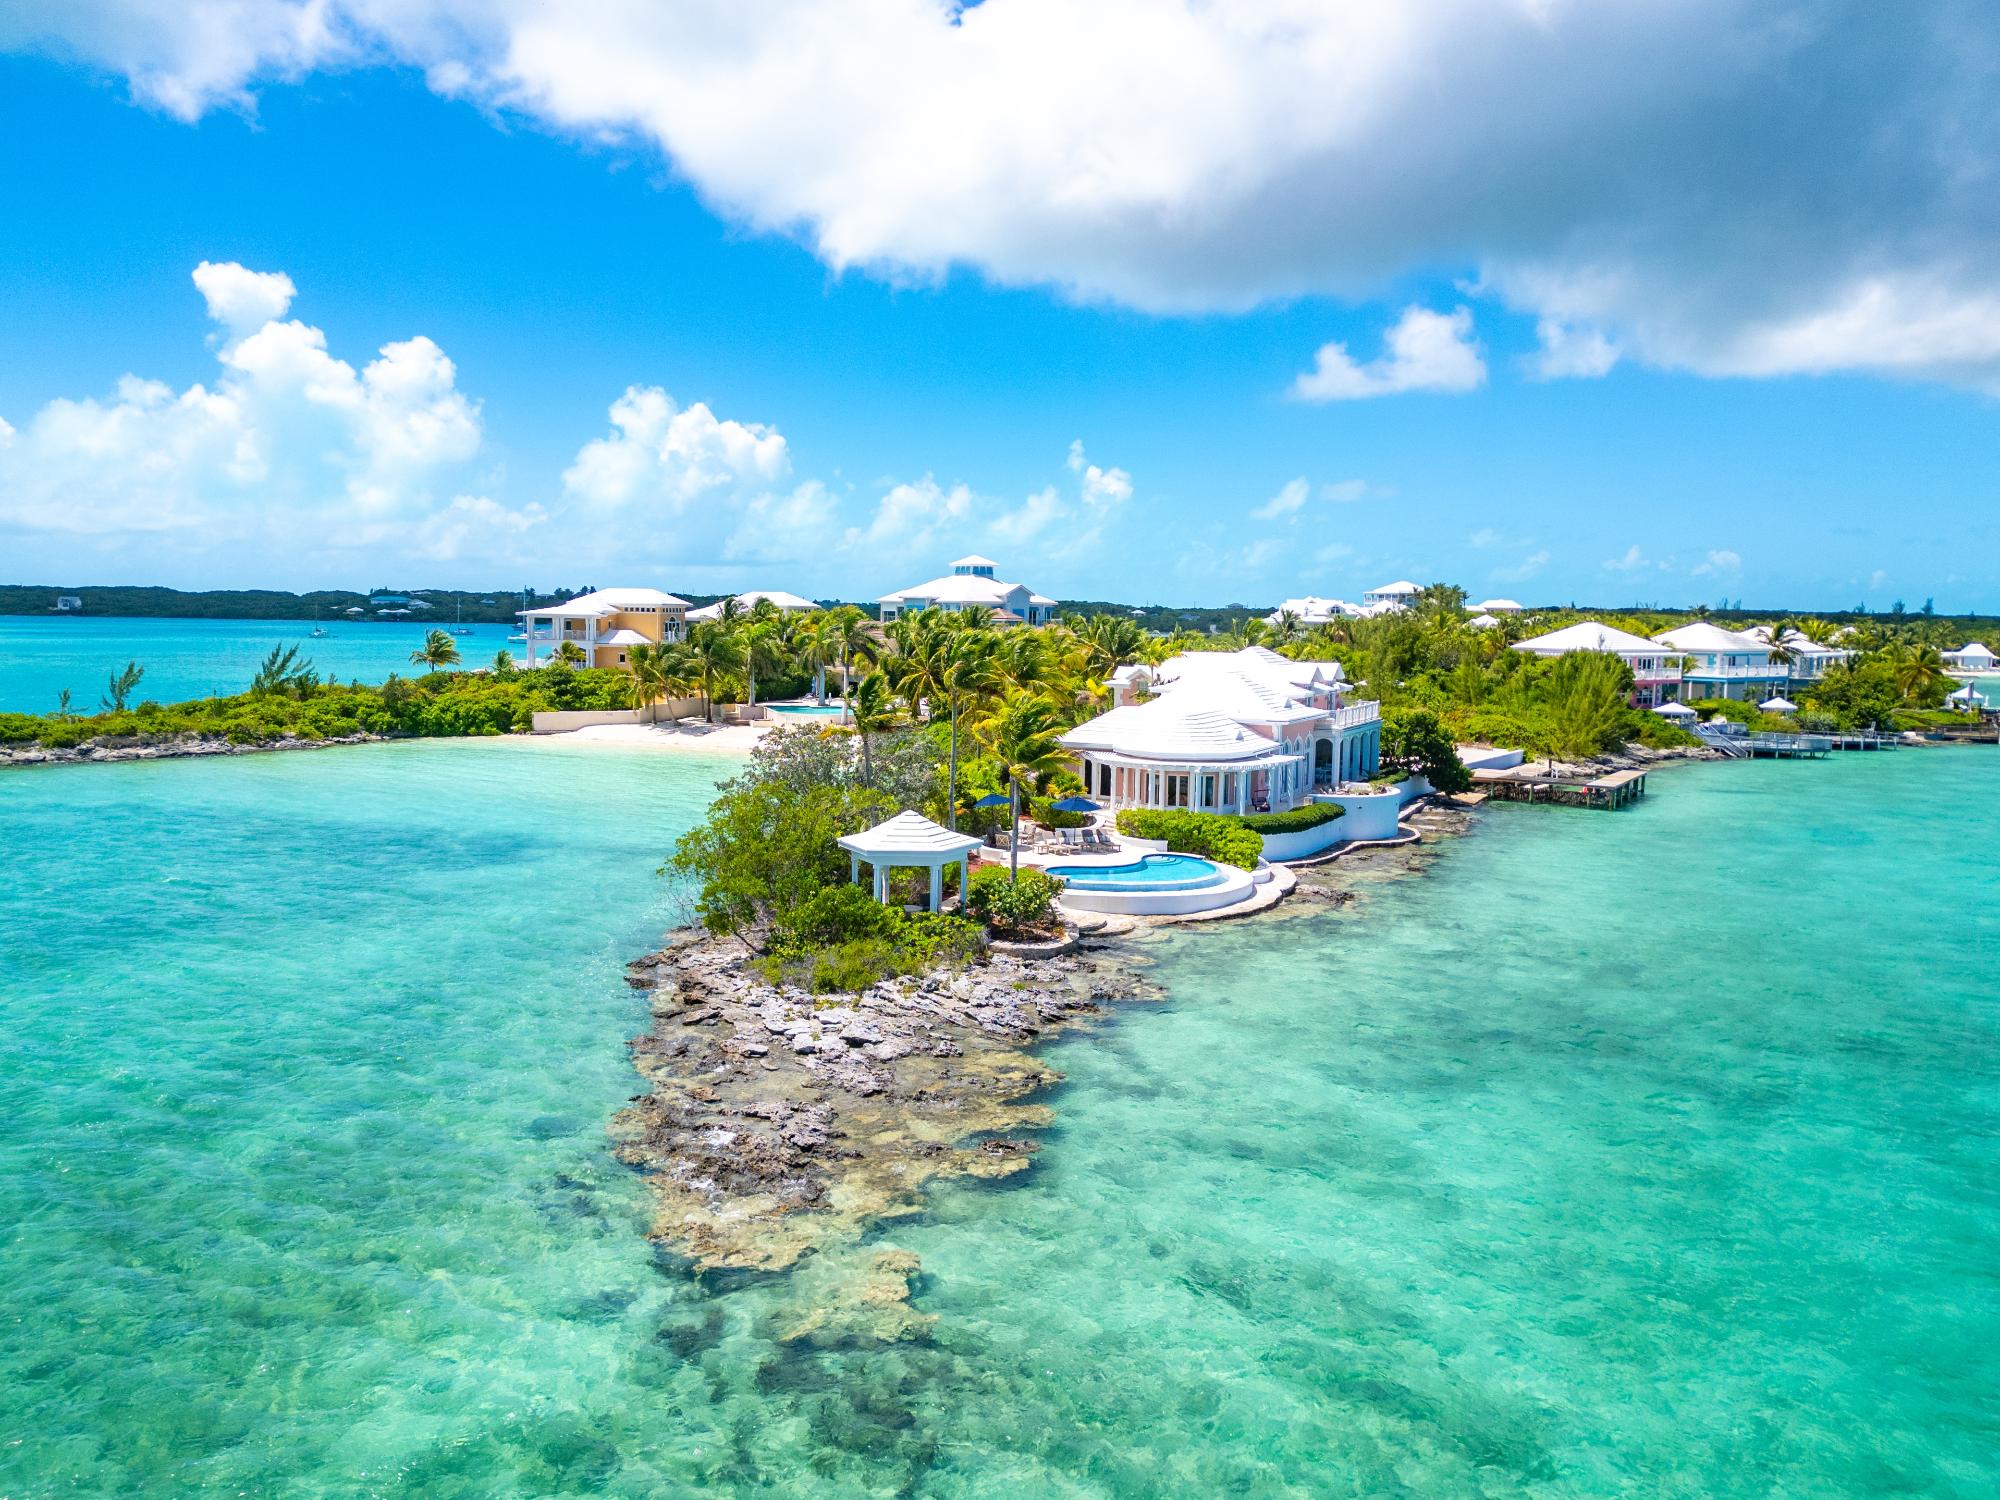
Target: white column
937	886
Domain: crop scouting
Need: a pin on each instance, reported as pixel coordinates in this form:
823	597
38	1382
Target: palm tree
503	663
871	703
942	663
650	668
760	638
1289	627
1919	669
713	651
568	654
1024	736
849	638
806	641
437	652
283	674
63	710
121	686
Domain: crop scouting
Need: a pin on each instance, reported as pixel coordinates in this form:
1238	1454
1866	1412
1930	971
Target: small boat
461	628
319	631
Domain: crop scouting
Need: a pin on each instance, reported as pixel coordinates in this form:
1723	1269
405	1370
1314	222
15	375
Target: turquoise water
42	655
807	710
1648	1153
1154	872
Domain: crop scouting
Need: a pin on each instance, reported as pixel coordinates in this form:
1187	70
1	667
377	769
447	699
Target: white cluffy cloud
1424	351
1719	561
1605	167
659	452
287	442
1293	495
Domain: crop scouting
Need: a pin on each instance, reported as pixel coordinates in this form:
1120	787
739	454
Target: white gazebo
909	841
1778	705
1968	697
1673	709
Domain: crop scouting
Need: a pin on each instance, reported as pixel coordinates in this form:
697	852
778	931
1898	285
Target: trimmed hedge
1298	820
1211	835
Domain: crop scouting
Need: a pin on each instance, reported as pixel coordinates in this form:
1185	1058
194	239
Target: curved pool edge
1235	886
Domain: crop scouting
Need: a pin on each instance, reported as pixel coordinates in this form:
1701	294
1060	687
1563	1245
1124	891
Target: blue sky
839	378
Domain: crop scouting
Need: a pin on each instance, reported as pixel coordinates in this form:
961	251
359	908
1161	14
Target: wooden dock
1614	790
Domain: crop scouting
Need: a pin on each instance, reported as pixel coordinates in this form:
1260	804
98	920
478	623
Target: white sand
689	736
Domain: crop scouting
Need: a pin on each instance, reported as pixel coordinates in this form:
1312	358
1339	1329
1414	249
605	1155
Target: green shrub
1013	905
1298	820
837	914
1210	835
1416	740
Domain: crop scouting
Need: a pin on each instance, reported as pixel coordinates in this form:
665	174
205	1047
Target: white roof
1171	729
1402	588
1967	694
1674	710
1483	622
1590	635
623	637
1704	637
956	588
1974	648
910	835
1778	705
1498	606
1311	610
608	602
750	599
974	560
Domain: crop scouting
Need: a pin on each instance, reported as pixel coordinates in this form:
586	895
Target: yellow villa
604	624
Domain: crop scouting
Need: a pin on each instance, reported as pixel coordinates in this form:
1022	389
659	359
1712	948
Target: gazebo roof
1778	705
910	836
1675	710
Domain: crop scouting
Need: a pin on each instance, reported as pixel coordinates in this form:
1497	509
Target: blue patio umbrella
1076	804
993	799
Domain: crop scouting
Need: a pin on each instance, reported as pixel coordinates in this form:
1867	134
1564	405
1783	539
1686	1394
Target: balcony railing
1737	671
1365	712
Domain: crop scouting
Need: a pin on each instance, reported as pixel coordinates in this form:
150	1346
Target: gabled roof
1170	729
608	602
1498	606
1973	648
909	833
955	588
1704	637
1401	588
623	637
1590	635
1483	622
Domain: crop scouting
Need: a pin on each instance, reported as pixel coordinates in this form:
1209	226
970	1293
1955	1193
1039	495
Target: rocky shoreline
776	1123
180	747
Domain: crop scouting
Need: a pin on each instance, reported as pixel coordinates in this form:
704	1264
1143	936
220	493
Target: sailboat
461	628
319	631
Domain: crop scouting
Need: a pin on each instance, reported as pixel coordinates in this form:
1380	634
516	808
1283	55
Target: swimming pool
1155	872
806	710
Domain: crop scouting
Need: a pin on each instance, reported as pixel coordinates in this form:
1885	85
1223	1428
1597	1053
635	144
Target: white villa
1498	607
971	584
1395	595
1972	660
604	624
1724	664
1809	660
749	599
1312	610
1227	731
1656	669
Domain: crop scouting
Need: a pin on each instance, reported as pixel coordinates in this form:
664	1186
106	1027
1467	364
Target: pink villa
1236	732
1656	668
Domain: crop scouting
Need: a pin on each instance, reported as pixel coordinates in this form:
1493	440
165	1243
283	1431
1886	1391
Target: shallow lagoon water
1648	1152
41	655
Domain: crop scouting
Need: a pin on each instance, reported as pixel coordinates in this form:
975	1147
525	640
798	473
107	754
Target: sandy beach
691	735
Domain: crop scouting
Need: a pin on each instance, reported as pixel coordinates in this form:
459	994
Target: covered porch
1277	780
